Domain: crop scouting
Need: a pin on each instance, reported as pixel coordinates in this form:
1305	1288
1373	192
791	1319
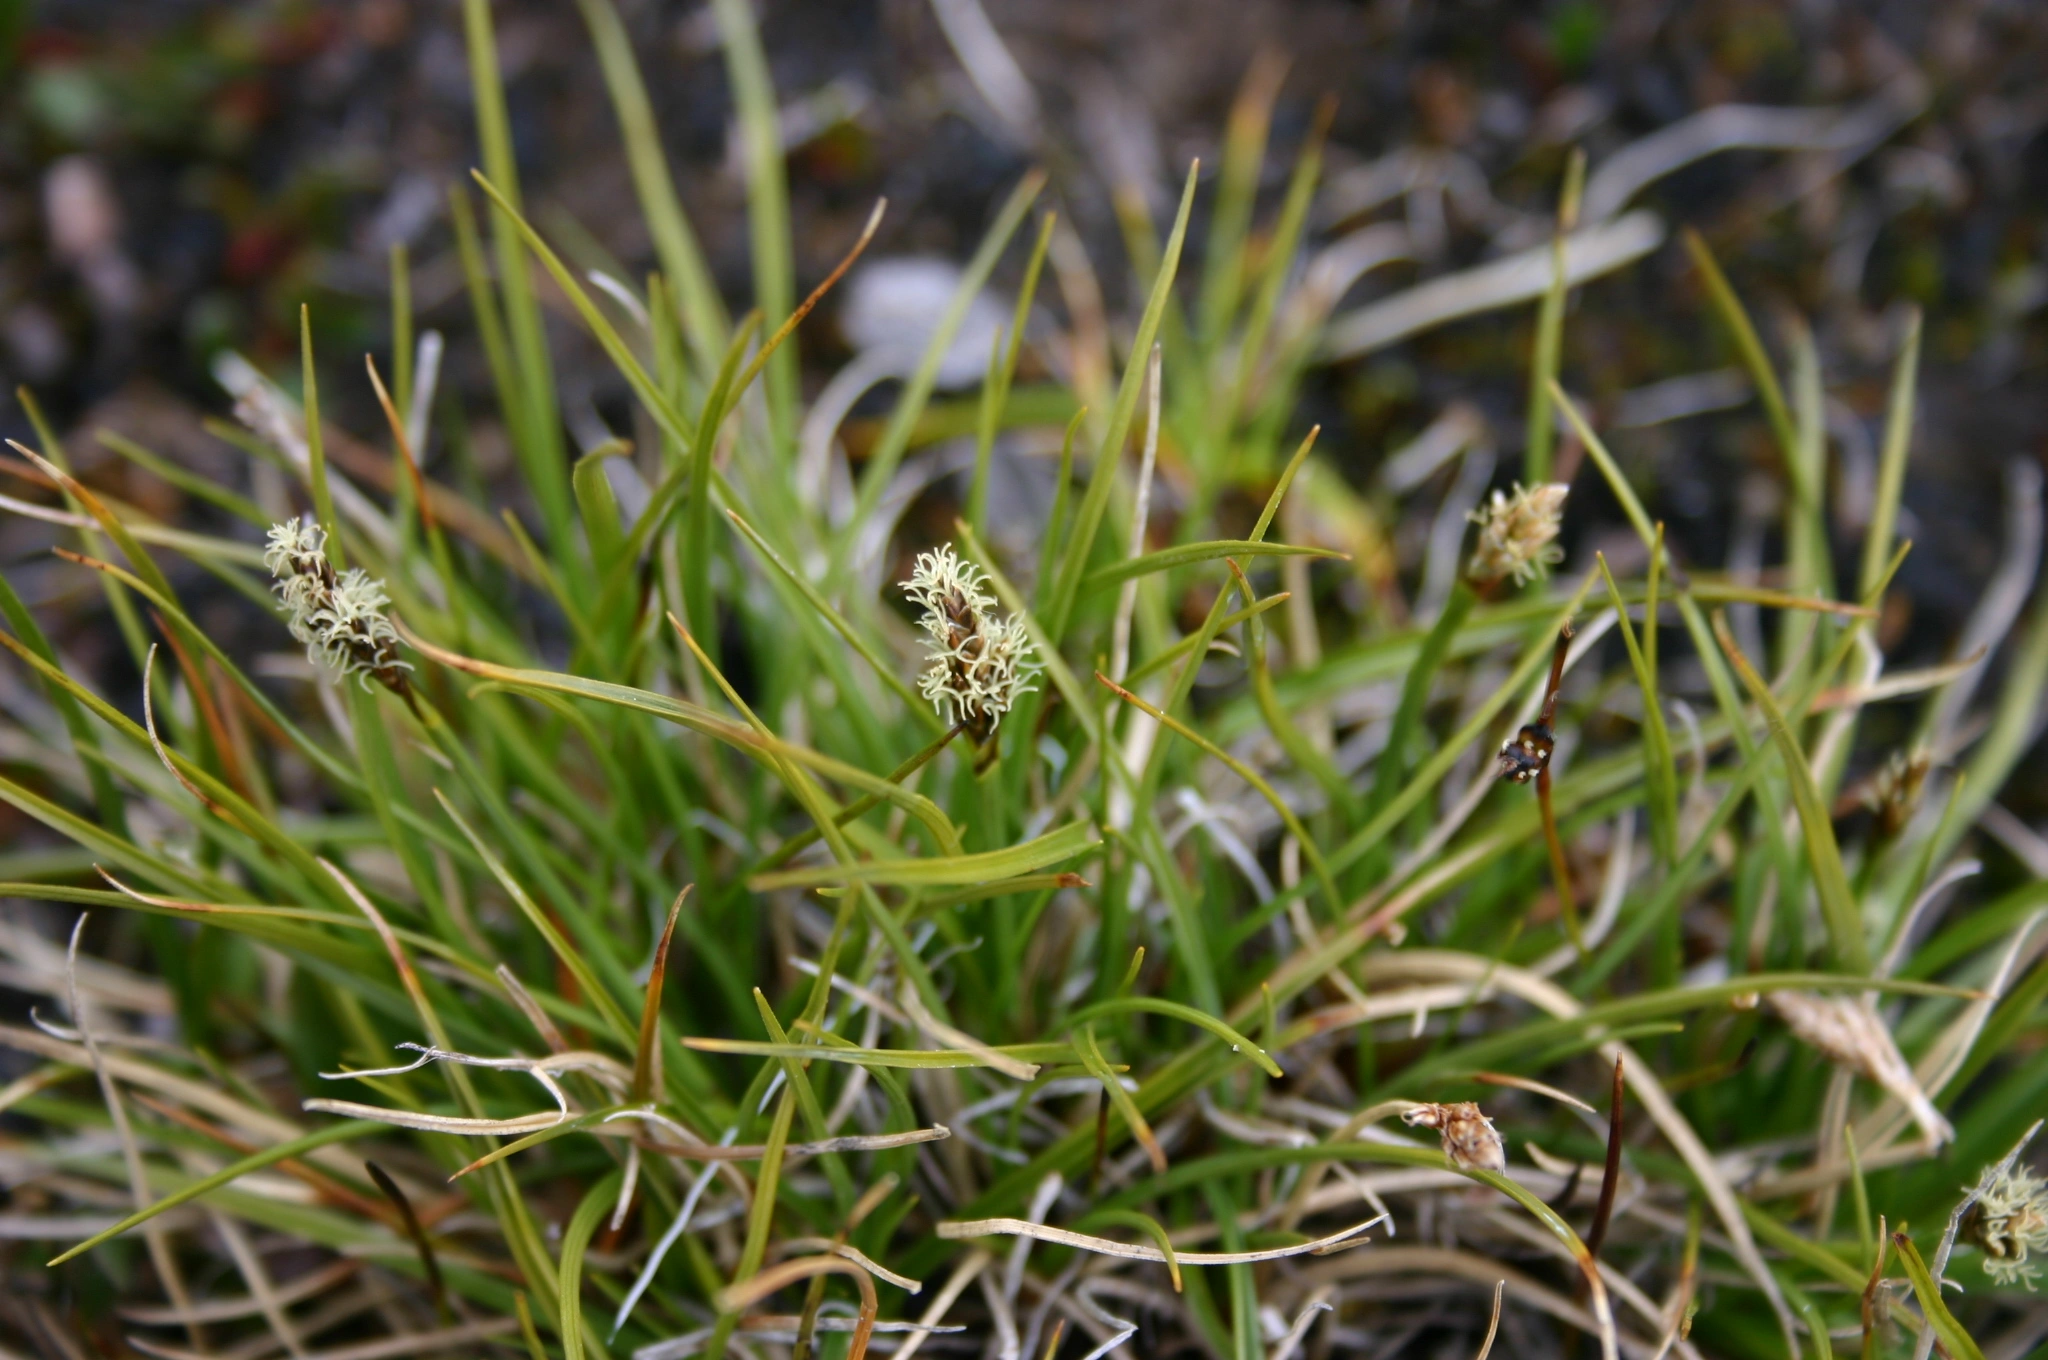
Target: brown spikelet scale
1470	1140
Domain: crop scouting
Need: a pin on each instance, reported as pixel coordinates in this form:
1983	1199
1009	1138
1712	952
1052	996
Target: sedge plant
695	923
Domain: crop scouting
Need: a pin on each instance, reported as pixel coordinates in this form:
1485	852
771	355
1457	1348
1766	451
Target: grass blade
537	435
1933	1307
1095	500
760	131
895	439
1747	344
577	1335
682	259
647	1056
1659	765
995	395
1824	856
255	1161
1187	554
1541	435
1891	463
1070	841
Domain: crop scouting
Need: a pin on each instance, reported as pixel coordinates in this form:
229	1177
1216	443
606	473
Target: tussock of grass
1089	1027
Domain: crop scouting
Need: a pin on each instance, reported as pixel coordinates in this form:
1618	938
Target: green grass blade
883	667
1660	770
2012	731
697	540
1175	1010
945	871
907	1059
1095	500
1184	679
106	797
191	483
1747	344
1314	856
578	1335
1144	1223
1390	770
598	506
1541	434
1891	463
316	449
895	438
623	1029
490	320
644	387
1824	856
1933	1307
1120	1099
686	714
1187	554
1281	251
675	243
760	130
122	608
1431	771
538	435
995	393
298	1147
1056	518
1244	155
1160	660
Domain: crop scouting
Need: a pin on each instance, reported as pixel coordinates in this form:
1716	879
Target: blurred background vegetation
178	176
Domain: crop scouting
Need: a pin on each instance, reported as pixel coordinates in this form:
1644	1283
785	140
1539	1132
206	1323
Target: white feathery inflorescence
2010	1220
338	615
1518	534
979	664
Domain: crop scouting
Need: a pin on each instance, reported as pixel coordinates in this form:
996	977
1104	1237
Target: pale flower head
339	616
297	546
1518	534
2010	1220
979	665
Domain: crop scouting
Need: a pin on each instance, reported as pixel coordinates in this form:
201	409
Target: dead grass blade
958	1230
647	1056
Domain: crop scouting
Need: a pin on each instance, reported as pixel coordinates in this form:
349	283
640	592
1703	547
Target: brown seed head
1470	1140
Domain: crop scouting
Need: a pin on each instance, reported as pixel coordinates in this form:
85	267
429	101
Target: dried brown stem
1560	868
421	501
647	1060
418	1234
1610	1179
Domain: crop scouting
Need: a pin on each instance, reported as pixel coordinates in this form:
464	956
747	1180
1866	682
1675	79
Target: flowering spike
2009	1220
979	664
338	615
1518	534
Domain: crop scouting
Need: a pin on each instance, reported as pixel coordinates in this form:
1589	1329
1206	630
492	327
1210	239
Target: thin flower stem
1560	869
860	807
